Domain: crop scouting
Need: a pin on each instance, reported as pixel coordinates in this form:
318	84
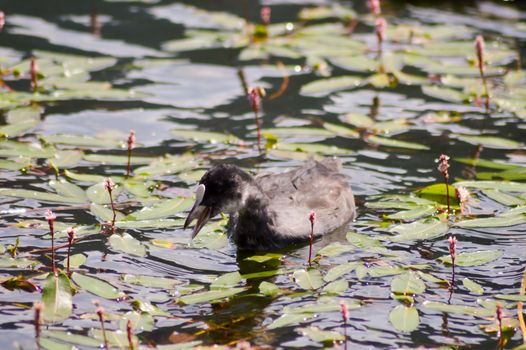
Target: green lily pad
317	335
151	281
458	309
336	287
334	249
390	142
340	270
472	286
162	209
490	141
268	289
228	280
419	230
324	87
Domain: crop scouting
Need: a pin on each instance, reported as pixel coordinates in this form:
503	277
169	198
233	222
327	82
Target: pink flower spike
480	48
344	311
131	139
312	217
71	233
381	25
255	99
265	14
50	216
2	20
108	184
374	6
499	315
452	247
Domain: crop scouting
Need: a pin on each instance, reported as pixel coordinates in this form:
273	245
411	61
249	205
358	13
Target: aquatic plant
38	318
344	311
50	217
129	333
255	95
108	185
380	27
71	237
131	146
33	72
443	167
453	253
100	314
374	7
312	219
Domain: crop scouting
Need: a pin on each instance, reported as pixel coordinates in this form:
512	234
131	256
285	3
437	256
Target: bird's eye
199	194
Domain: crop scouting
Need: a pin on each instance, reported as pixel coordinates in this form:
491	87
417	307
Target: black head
221	189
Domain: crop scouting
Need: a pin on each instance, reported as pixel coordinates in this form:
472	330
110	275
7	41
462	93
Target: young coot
272	210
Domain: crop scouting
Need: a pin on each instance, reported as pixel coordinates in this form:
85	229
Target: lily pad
473	258
96	286
127	244
210	296
404	318
308	279
57	298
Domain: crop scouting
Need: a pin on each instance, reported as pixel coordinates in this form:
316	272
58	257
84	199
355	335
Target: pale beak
198	211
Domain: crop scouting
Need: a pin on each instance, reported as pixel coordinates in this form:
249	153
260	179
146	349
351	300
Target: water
161	87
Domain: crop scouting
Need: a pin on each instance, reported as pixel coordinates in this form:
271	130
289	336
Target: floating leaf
445	94
334	249
142	321
205	136
127	244
472	286
21	127
116	159
99	194
72	338
408	283
340	270
57	298
458	309
104	213
336	287
38	195
161	209
511	297
490	141
116	338
228	280
416	213
419	230
497	221
268	289
210	295
473	258
7	261
317	335
66	158
151	281
493	185
404	318
75	260
96	286
438	193
308	279
504	198
324	87
82	141
390	142
287	320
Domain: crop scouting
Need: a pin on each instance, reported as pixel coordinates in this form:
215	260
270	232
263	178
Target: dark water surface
162	85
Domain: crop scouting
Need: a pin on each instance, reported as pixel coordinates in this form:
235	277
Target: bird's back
317	186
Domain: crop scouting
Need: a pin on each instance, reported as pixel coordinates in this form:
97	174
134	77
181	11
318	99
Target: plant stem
447	195
519	308
258	126
114	213
128	168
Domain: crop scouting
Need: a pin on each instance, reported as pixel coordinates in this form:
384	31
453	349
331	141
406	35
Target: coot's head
221	189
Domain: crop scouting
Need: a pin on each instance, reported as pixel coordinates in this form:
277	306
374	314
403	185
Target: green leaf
210	295
57	298
511	297
490	141
390	142
324	87
437	193
458	309
12	130
494	185
497	221
407	283
308	279
7	261
419	230
166	165
72	338
312	148
445	94
53	345
317	335
504	198
104	213
205	136
336	287
473	258
334	249
38	195
210	238
483	163
162	209
66	158
340	270
82	141
96	286
142	321
111	159
116	338
99	194
472	286
412	214
127	244
341	130
298	131
228	280
151	281
363	241
287	320
75	260
404	318
144	224
380	271
268	289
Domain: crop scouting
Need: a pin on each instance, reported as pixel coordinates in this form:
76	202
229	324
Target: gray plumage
272	210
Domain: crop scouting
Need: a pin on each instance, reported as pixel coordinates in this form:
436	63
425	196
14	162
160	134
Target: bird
271	211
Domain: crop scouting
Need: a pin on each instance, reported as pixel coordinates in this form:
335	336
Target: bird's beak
198	211
202	214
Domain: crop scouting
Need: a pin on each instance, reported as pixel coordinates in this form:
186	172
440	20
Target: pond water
178	73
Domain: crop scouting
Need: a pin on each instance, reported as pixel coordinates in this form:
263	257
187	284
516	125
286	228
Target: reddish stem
114	213
130	334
